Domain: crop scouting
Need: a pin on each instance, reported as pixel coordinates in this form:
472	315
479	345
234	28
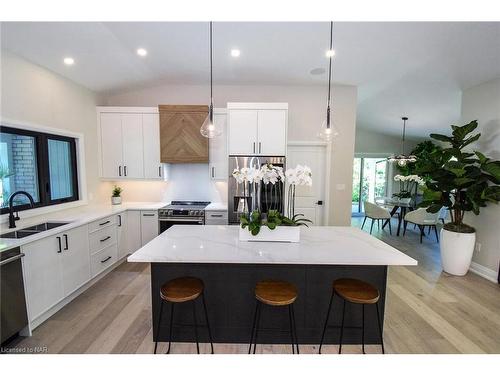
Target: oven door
165	223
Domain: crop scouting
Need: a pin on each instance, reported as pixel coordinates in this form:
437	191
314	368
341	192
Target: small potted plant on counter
462	182
116	195
273	225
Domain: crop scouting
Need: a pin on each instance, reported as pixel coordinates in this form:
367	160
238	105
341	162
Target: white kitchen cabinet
111	144
121	234
134	230
151	145
217	149
213	217
149	226
133	158
242	132
75	260
257	128
129	142
54	267
271	130
42	272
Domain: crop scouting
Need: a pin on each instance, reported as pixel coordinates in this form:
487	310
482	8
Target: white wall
482	103
35	95
306	111
369	143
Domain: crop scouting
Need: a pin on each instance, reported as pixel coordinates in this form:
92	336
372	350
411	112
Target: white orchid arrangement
267	174
407	183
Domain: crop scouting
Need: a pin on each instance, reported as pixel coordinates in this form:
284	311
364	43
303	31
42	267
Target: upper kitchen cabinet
257	128
129	142
180	137
217	148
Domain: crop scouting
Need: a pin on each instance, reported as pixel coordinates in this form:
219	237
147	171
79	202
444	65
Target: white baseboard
485	272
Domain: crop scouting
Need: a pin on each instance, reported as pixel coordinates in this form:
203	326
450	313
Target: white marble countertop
220	244
75	216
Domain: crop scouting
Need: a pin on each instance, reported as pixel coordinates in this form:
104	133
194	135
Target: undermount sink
34	229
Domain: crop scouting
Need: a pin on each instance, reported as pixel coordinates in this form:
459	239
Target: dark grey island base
229	293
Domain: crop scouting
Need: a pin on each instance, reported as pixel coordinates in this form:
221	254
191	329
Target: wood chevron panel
180	138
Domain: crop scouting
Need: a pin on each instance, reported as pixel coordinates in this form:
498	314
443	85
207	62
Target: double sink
34	229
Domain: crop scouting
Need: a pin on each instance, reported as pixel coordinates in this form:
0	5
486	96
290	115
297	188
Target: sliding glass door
369	181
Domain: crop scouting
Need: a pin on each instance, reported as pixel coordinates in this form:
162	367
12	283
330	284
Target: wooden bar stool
274	293
357	292
180	290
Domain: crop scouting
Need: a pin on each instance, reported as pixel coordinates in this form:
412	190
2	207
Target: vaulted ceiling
416	69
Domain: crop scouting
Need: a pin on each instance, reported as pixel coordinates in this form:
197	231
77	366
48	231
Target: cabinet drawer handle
159	171
59	243
106	222
120	170
105	260
119	220
66	241
213	172
254	147
260	148
148	214
105	239
125	170
216	215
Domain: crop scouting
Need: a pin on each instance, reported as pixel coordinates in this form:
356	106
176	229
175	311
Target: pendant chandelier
209	129
403	159
328	131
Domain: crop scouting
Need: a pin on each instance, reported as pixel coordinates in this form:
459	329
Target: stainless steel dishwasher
12	300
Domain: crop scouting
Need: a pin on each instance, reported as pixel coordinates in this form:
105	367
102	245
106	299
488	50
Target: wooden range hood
180	137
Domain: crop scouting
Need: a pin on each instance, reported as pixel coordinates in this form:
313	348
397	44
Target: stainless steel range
181	212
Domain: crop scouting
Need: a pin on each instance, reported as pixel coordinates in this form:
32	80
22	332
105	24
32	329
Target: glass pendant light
403	159
328	131
209	129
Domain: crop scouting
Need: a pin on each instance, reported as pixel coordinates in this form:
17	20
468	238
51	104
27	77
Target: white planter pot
456	251
279	234
116	200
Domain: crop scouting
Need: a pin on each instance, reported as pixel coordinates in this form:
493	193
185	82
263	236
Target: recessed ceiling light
330	53
69	61
235	52
142	52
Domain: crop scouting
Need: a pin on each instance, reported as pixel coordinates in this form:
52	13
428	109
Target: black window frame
42	162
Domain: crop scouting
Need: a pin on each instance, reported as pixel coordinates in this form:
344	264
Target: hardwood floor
428	311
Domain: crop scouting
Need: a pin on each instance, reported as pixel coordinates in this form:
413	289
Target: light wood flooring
427	311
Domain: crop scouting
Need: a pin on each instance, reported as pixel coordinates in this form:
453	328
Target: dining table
396	204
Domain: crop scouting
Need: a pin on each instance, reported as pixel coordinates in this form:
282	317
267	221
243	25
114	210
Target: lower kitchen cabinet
54	267
134	230
149	226
121	235
215	217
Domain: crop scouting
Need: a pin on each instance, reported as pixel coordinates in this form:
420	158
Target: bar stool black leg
257	327
253	326
208	324
326	322
342	329
291	328
171	324
295	330
363	328
380	329
195	327
158	326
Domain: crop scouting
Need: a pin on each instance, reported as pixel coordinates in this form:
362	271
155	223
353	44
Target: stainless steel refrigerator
243	197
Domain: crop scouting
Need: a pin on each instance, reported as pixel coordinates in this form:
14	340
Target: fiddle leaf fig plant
459	180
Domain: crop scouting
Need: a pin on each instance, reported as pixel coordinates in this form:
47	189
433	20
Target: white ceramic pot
116	200
456	251
279	234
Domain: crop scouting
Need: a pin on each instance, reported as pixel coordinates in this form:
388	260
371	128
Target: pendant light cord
403	139
330	63
211	111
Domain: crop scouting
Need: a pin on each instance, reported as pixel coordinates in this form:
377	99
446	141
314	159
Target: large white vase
456	251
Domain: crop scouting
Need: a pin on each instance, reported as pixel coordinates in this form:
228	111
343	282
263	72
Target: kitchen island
230	268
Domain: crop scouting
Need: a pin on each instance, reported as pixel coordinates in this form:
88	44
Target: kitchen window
42	164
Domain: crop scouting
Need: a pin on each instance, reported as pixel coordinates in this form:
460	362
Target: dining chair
378	213
422	218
